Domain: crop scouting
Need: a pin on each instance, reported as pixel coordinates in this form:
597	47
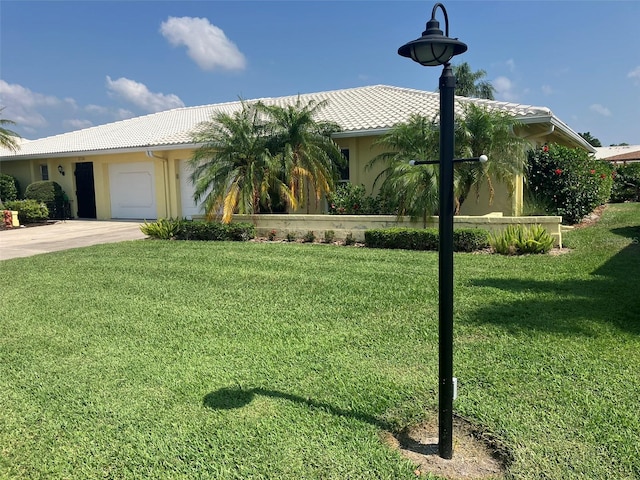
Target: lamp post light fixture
433	49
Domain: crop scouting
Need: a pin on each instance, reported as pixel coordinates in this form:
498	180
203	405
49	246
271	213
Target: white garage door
189	207
132	188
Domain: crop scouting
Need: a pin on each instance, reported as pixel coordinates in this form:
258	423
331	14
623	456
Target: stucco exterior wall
167	181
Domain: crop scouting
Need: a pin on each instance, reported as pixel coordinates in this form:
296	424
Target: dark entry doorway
85	190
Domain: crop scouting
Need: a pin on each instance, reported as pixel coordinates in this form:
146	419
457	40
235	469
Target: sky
68	65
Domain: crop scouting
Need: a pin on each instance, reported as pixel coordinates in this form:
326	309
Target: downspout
165	182
167	199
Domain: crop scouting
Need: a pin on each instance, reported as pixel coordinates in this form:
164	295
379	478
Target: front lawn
167	359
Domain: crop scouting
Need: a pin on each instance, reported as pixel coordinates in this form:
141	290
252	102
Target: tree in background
593	141
8	137
469	83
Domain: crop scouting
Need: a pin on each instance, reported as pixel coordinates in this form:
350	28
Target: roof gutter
106	151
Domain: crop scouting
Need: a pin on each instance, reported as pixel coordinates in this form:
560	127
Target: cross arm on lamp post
433	49
481	159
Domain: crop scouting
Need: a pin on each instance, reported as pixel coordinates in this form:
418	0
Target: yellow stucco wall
167	179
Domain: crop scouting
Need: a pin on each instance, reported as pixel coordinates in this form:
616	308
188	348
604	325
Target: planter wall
342	225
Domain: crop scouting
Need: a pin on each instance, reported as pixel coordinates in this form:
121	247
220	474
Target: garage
132	190
189	207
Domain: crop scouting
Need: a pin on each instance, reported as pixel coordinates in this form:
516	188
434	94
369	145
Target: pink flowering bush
569	181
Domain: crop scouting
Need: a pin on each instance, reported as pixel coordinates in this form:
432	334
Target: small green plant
291	236
329	236
309	237
520	240
29	211
349	239
271	235
163	229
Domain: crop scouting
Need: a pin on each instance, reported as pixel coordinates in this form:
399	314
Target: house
137	168
620	154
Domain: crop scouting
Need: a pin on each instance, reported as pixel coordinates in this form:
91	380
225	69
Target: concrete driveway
24	242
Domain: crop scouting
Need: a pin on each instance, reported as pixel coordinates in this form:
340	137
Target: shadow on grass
231	398
609	297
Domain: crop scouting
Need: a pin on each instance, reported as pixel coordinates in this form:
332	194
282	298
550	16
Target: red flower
558	171
592	172
545	148
602	175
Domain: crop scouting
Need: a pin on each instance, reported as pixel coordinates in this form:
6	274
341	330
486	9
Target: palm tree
413	188
480	131
233	170
8	137
309	158
468	83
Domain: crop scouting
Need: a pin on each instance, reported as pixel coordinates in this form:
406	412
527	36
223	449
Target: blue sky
71	65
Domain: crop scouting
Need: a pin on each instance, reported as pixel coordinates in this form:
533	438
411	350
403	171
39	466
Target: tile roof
371	109
619	152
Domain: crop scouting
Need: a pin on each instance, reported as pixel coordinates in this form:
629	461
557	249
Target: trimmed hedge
464	239
51	194
29	211
194	230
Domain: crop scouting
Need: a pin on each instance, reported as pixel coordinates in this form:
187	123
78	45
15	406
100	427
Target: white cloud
139	95
600	109
22	105
96	109
511	64
547	90
635	75
78	124
505	89
207	45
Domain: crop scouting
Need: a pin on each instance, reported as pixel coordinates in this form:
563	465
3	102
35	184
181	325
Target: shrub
29	211
51	194
626	183
520	240
351	199
470	239
464	239
403	238
8	188
291	236
329	236
189	230
309	237
570	181
163	229
349	239
271	235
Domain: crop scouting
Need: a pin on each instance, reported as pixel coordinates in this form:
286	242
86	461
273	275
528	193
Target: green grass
159	359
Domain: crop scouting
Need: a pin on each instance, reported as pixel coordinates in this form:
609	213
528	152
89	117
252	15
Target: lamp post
433	49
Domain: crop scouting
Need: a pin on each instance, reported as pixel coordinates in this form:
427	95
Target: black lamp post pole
445	263
432	49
